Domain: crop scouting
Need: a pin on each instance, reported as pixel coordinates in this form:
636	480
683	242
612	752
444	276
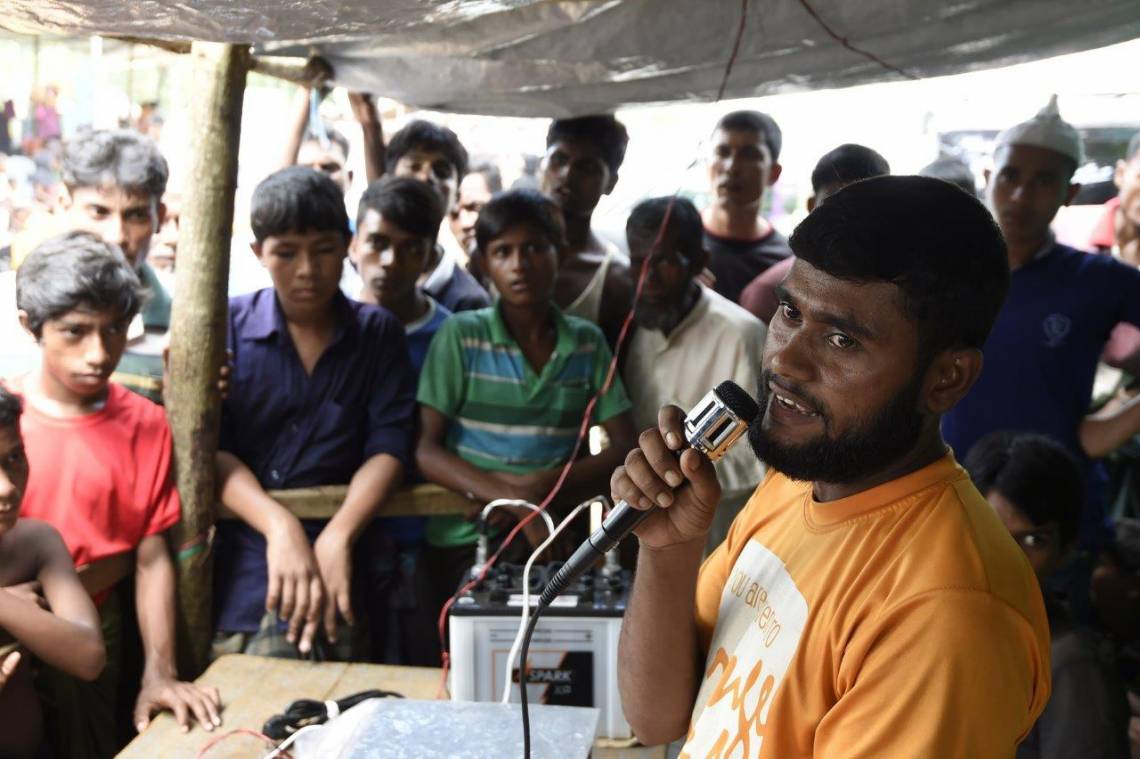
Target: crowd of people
448	331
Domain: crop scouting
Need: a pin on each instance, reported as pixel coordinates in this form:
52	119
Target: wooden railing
304	503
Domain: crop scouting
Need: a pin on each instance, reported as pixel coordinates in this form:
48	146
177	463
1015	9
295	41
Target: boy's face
740	169
128	220
390	259
1041	543
331	160
473	195
305	268
574	173
1026	188
522	264
13	476
81	348
433	167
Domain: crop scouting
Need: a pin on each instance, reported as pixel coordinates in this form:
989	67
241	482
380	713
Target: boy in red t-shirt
101	467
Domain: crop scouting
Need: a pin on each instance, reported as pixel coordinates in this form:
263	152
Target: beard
664	317
872	445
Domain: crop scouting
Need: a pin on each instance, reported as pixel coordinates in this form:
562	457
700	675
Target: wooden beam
322	502
198	323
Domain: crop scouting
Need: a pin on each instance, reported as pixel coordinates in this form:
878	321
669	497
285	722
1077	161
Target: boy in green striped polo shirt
503	390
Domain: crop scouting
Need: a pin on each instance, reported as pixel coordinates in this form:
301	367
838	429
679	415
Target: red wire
239	731
445	657
858	51
587	416
735	51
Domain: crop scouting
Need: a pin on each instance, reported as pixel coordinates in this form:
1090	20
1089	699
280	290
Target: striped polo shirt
504	416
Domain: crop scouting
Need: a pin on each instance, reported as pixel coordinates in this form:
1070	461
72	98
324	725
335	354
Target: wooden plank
322	502
197	334
255	688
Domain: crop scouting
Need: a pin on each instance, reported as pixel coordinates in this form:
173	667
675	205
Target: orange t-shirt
902	621
103	480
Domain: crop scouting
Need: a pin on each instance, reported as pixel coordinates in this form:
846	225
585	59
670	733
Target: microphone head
738	401
719	419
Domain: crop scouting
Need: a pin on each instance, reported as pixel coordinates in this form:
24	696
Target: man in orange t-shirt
867	601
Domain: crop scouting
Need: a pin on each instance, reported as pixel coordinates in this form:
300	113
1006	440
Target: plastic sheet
529	57
399	729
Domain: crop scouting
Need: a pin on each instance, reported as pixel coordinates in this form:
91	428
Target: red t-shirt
103	480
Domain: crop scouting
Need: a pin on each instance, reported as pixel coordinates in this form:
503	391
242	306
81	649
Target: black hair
73	270
297	199
757	123
846	164
514	207
646	218
425	135
10	408
937	244
490	174
954	171
606	132
334	135
1035	473
1133	147
410	204
118	158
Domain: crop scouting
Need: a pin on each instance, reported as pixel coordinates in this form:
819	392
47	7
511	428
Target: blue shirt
410	530
296	430
1042	354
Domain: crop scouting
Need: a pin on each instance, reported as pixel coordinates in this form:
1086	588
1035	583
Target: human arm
1111	427
372	484
912	676
659	646
298	125
295	592
161	688
364	109
68	637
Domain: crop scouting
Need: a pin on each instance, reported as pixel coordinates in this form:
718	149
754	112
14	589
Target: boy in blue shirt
1041	356
397	223
322	393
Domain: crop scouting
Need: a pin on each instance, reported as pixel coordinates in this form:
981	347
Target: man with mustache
745	162
867	601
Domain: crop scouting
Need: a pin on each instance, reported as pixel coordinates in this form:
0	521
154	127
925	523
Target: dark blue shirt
296	430
459	291
410	530
1041	357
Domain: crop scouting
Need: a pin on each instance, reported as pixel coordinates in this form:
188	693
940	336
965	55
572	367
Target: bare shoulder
27	547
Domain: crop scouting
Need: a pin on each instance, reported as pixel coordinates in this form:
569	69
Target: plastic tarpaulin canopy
552	58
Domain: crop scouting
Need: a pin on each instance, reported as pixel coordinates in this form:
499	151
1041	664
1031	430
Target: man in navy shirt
1041	357
322	393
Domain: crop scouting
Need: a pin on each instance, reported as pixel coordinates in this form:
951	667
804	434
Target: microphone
713	425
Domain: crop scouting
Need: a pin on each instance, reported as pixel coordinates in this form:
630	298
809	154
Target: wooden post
197	334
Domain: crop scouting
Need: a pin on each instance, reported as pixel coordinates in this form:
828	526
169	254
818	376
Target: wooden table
255	688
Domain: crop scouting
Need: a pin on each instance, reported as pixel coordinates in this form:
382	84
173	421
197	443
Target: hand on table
185	700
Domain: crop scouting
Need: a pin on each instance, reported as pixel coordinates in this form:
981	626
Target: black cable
307	711
523	654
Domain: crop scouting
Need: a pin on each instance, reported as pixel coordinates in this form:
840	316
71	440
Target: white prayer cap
1045	130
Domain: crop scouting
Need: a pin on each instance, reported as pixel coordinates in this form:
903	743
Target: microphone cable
306	712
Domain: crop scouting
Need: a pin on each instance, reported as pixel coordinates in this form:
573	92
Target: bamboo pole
197	335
